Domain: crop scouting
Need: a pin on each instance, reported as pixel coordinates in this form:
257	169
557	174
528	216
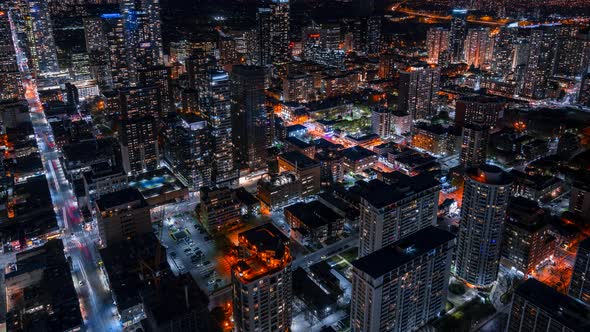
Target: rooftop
379	193
489	174
298	159
313	214
571	313
403	251
118	198
356	153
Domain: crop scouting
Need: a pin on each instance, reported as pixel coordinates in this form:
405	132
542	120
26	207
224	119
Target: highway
95	298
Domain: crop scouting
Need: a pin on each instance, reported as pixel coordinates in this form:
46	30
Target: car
187	250
206	263
173	254
210	282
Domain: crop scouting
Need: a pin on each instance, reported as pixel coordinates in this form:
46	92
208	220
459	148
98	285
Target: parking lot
190	250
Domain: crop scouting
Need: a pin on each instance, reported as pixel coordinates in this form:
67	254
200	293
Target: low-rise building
278	190
219	209
306	169
313	222
357	159
536	186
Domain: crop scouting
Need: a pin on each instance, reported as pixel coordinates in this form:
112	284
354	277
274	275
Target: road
95	299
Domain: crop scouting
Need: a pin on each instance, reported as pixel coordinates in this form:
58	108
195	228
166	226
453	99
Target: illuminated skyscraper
40	37
251	127
261	281
279	31
160	77
114	30
263	23
485	199
477	47
540	62
418	91
584	93
10	78
503	51
215	107
474	145
437	41
139	144
186	149
457	34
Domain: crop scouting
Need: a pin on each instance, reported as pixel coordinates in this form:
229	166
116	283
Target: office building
141	101
474	145
251	127
437	42
139	144
394	210
261	281
579	287
215	107
187	149
122	215
418	91
483	211
457	34
526	241
403	285
538	307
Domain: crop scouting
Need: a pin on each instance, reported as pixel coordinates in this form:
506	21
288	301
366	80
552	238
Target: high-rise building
483	210
367	35
403	285
457	34
540	62
114	30
479	110
139	144
215	107
143	35
122	215
584	93
474	145
262	54
11	86
538	307
159	76
580	198
40	41
503	55
141	101
477	46
526	242
381	122
186	149
437	41
579	287
573	54
261	281
279	30
394	210
251	127
418	91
